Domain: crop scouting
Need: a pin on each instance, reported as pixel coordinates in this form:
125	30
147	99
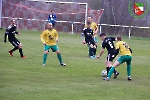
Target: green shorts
125	58
53	48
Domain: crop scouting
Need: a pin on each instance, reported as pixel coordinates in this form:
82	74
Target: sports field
27	79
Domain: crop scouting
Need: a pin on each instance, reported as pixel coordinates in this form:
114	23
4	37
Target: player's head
88	24
118	38
89	19
102	35
49	26
12	21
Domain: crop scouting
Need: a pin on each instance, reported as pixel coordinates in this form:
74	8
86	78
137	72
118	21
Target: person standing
89	39
52	18
10	32
49	37
125	56
94	27
107	42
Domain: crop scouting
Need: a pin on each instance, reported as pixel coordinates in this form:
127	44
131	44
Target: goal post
33	14
86	5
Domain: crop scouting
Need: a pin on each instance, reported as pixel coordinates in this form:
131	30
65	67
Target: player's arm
96	29
55	17
56	36
15	32
130	50
83	36
101	52
42	36
113	39
5	35
92	34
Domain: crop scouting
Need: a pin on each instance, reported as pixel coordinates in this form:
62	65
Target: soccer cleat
43	64
115	76
129	78
23	57
10	53
92	57
106	79
63	64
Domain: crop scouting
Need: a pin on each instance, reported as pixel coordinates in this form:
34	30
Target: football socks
44	58
59	58
20	51
111	71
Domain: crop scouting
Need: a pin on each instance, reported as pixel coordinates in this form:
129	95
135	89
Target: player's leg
46	50
20	50
110	58
15	47
96	43
55	49
91	50
129	58
117	63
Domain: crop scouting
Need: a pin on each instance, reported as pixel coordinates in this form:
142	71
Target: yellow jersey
123	48
49	37
93	26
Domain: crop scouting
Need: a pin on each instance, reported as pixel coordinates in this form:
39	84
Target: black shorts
14	42
90	42
111	56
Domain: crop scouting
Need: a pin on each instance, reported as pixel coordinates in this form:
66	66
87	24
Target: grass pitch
27	79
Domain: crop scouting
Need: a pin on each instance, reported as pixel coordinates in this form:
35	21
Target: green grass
27	79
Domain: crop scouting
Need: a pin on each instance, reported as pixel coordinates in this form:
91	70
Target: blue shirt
52	18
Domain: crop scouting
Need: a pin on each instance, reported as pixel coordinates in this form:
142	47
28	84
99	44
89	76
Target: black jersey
10	31
109	45
88	34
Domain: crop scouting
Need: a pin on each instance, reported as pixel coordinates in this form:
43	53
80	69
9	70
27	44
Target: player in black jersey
89	40
107	42
10	32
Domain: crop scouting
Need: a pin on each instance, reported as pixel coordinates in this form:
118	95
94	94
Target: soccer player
109	45
94	27
52	18
49	37
125	52
89	39
10	32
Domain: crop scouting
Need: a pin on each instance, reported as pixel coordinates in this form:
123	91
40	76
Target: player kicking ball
49	37
125	56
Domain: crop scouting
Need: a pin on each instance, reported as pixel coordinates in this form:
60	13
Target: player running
126	56
49	37
89	40
109	45
10	32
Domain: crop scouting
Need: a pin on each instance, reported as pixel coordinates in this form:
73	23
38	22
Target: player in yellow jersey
94	27
125	56
49	37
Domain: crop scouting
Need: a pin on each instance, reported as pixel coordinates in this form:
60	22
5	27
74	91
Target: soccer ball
104	73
